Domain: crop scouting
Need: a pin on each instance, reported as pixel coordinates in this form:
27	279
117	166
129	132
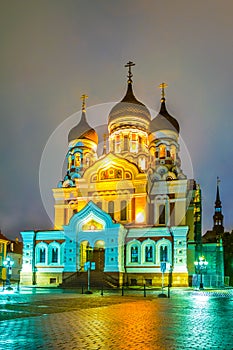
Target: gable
111	167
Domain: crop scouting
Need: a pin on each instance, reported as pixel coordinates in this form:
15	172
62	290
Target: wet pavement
45	319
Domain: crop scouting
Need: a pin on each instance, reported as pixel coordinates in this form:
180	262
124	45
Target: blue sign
163	266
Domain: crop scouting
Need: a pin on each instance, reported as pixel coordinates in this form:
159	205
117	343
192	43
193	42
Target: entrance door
98	255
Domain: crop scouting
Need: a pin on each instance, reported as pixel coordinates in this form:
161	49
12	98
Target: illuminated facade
127	210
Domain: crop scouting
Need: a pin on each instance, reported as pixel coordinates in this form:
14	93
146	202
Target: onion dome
129	111
83	130
164	121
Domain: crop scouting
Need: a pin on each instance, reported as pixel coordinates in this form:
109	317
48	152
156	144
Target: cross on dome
163	86
83	98
129	65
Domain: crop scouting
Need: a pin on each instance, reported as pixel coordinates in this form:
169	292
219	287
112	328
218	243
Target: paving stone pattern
194	321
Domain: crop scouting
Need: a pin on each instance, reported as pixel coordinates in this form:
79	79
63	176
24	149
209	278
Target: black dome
83	131
164	121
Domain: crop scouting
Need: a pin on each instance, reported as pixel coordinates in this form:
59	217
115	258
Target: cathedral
128	214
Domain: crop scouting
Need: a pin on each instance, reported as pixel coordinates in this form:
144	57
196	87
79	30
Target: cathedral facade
125	213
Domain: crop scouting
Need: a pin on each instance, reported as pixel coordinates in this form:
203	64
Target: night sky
53	51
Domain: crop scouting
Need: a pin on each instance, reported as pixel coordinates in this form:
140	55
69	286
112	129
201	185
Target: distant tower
218	227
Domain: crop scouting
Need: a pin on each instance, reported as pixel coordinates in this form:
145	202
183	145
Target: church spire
218	216
218	203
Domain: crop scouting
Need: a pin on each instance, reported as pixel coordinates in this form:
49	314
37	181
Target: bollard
18	286
122	291
168	291
144	290
102	290
82	288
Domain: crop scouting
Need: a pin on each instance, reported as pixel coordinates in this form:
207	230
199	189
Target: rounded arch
54	253
133	252
41	253
163	251
148	251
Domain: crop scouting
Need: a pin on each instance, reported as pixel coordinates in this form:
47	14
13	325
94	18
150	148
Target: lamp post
88	266
8	263
201	266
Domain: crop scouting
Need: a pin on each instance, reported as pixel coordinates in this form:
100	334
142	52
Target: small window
162	151
134	254
54	255
42	255
123	210
133	282
162	214
163	253
149	253
111	209
99	205
148	281
52	280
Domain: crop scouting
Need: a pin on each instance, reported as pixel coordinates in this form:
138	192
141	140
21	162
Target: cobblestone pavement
196	320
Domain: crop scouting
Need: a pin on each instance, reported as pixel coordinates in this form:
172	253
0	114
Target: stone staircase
98	279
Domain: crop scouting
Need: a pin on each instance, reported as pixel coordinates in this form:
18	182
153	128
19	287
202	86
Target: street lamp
201	266
8	263
88	267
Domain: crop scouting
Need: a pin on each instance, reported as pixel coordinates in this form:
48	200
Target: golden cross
129	65
83	98
163	86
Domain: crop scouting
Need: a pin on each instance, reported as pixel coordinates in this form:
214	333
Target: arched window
142	163
118	144
163	253
77	159
126	143
134	143
162	214
99	204
54	257
54	253
162	151
111	209
134	254
173	152
123	210
149	253
41	253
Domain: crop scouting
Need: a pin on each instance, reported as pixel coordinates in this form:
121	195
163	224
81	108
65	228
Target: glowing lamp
140	217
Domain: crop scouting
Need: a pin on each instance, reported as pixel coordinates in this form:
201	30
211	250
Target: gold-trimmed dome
129	112
83	131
